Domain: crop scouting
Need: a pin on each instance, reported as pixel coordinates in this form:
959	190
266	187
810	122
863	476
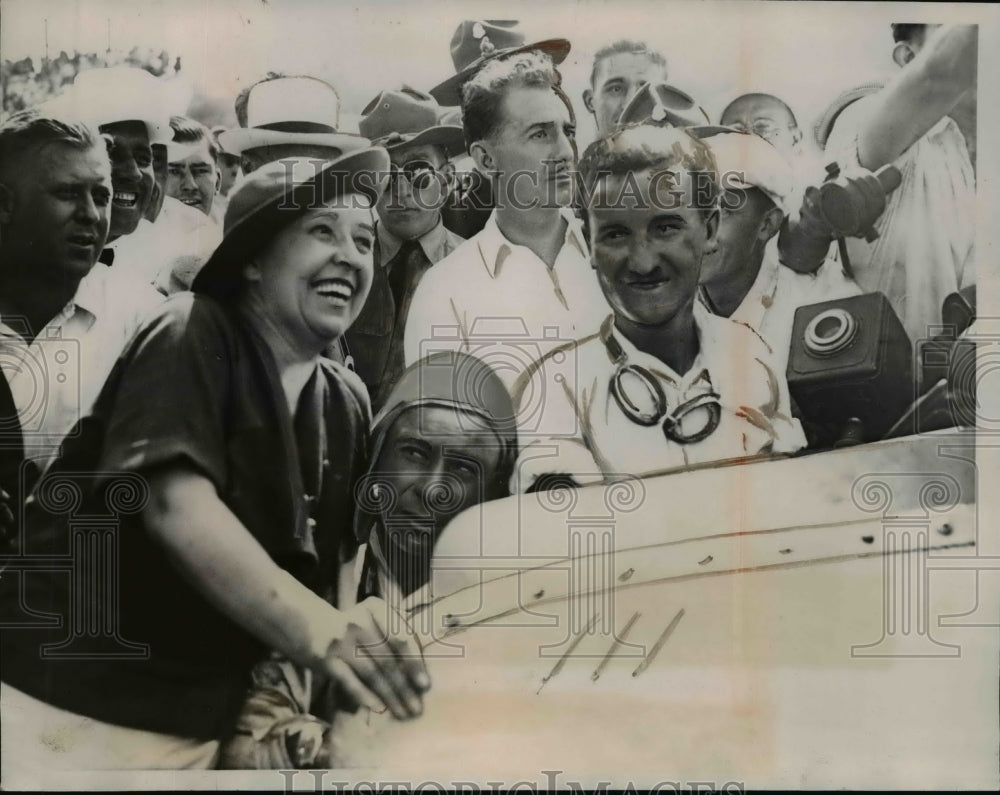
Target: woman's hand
377	668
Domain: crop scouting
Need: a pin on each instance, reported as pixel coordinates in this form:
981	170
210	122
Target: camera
843	206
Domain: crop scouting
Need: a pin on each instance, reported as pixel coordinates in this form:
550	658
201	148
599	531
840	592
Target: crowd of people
24	86
301	351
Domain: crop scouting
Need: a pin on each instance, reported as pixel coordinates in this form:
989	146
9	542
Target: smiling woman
245	446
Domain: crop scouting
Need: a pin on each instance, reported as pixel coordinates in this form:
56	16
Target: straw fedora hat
291	110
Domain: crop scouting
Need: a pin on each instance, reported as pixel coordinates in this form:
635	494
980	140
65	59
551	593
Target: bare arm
212	548
923	92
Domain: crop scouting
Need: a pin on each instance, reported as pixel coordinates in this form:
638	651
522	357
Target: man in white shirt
63	320
922	122
185	231
743	280
522	285
664	384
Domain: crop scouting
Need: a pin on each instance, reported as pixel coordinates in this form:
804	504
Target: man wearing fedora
475	43
411	234
523	283
288	116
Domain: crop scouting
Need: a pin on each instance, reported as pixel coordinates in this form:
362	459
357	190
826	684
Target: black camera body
850	369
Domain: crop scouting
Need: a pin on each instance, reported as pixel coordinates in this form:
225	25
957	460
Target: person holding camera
664	384
923	123
744	279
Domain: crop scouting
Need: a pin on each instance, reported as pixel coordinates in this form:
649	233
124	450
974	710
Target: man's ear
712	233
6	204
796	135
770	224
251	272
588	100
218	179
482	158
447	170
903	53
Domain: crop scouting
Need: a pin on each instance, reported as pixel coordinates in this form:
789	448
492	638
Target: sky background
804	52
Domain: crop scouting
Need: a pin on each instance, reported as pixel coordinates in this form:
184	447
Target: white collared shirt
169	253
770	303
569	421
499	301
55	379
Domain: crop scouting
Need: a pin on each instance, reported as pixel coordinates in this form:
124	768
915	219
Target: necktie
407	267
107	256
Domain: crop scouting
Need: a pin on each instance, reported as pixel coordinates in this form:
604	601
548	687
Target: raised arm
923	92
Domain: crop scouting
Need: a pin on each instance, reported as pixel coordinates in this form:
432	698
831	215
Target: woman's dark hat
477	41
276	194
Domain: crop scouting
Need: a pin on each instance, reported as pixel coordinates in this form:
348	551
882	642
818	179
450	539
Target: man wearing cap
521	285
663	384
63	320
743	279
128	105
411	235
620	70
474	43
288	116
922	122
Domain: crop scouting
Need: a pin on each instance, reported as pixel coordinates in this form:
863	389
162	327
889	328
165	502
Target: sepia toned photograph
479	396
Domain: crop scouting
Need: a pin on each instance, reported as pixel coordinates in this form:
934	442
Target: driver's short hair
646	147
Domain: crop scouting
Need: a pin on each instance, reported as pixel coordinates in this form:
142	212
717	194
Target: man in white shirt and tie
523	285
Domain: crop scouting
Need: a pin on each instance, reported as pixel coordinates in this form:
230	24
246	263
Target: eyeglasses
419	173
763	129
